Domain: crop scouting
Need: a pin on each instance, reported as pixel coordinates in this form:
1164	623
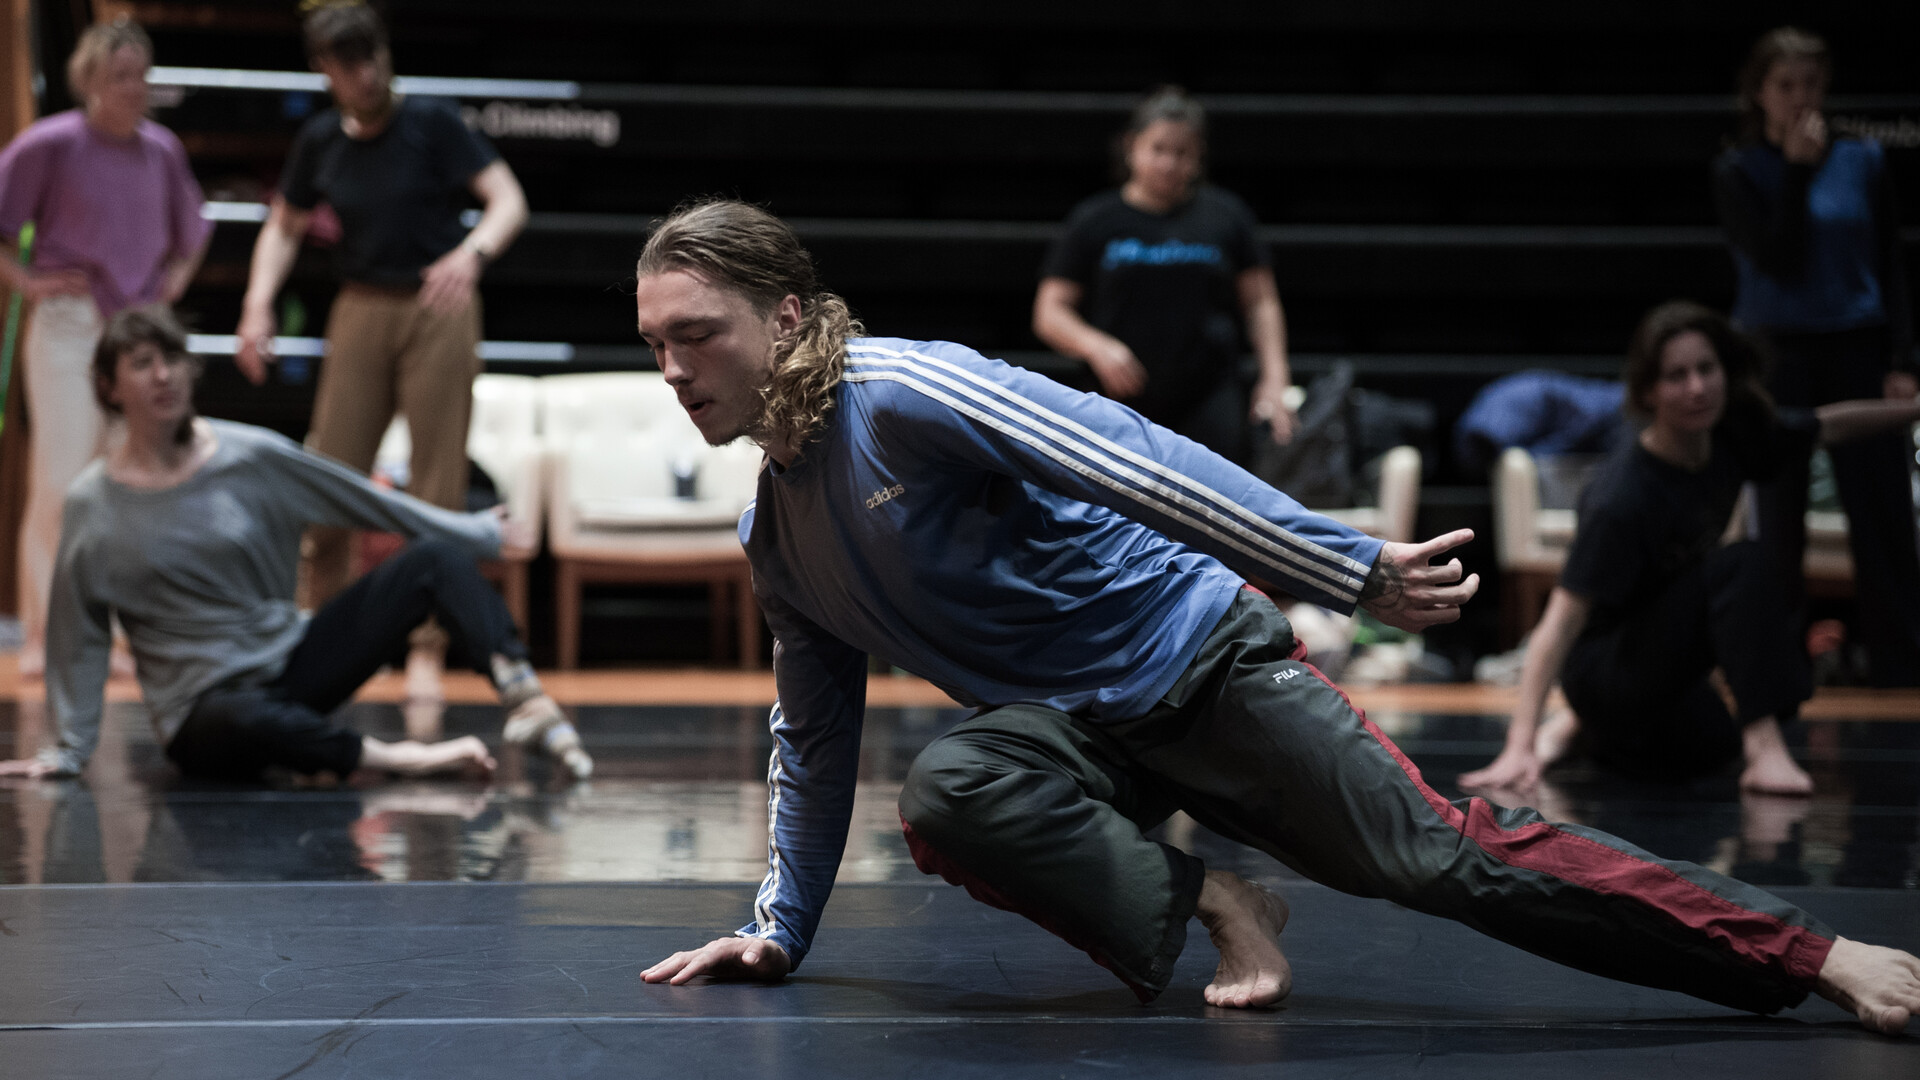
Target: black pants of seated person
1641	687
236	730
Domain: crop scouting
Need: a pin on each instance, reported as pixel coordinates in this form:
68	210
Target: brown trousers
386	355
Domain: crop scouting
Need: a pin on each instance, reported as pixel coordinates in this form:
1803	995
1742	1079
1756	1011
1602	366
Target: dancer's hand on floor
726	958
1405	592
1516	769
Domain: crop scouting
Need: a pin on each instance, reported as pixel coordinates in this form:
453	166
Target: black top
1644	522
398	194
1165	284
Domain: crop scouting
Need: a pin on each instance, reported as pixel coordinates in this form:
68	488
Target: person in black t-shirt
1662	584
1149	284
404	331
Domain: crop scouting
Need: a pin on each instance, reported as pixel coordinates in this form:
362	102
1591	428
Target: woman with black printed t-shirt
1150	284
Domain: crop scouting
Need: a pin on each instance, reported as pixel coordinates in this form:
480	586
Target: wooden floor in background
708	686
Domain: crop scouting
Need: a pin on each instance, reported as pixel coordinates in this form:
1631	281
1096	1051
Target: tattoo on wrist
1384	582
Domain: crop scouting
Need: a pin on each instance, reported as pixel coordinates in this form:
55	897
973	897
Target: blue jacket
1011	541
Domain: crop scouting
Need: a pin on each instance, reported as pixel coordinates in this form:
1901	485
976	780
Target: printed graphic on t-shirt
1134	252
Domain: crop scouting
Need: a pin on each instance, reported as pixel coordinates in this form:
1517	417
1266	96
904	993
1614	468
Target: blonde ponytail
807	365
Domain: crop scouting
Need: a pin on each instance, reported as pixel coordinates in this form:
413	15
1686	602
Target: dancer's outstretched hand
31	768
725	958
1406	592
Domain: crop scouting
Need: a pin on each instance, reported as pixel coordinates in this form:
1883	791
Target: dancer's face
714	348
1793	87
116	92
359	87
1691	392
152	388
1164	159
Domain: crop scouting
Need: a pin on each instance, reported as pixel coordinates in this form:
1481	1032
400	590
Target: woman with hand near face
1152	283
116	216
1661	586
1816	244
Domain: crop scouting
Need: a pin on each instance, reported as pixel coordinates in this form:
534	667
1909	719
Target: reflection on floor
288	949
679	795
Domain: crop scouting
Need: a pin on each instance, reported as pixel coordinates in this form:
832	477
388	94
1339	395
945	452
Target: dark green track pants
1042	813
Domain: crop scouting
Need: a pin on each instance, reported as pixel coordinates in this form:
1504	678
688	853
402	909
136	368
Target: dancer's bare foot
1770	768
409	758
1881	986
1244	921
1554	737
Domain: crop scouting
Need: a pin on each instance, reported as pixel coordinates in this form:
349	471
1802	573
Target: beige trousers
387	355
68	431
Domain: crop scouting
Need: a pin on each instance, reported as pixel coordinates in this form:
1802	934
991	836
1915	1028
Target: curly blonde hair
742	247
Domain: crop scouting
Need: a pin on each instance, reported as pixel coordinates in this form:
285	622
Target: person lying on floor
189	532
1662	585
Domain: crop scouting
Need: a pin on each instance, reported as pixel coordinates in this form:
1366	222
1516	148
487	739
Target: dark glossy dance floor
153	927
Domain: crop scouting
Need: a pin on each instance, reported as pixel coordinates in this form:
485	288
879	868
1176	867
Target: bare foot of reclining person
1244	921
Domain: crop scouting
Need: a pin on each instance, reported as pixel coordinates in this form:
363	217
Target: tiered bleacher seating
1451	193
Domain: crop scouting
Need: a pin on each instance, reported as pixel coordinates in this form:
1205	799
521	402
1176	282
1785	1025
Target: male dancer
1073	571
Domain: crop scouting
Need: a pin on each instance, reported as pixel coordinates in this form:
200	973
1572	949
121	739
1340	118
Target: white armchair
503	437
1529	542
636	495
1393	513
1829	562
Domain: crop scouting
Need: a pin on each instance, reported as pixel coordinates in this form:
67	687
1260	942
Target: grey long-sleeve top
202	574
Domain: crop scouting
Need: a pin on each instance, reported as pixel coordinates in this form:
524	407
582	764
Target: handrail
1017	101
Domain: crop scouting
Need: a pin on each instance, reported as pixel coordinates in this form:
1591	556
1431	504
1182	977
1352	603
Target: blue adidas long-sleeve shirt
1011	541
